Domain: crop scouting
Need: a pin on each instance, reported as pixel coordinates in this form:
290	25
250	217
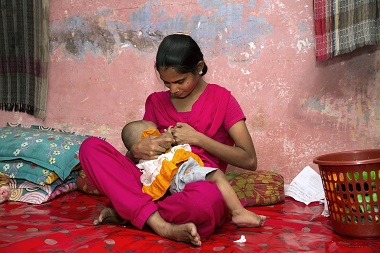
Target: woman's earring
200	72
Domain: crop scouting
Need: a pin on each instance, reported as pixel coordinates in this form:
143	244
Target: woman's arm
242	155
150	147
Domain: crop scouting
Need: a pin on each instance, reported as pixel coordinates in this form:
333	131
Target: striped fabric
342	26
24	56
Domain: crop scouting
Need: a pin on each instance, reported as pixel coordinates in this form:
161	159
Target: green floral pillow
19	168
56	151
257	188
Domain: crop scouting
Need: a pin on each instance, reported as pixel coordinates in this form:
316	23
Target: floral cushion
18	168
257	188
85	185
55	151
41	162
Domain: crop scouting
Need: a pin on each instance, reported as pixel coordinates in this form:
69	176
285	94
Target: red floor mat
65	225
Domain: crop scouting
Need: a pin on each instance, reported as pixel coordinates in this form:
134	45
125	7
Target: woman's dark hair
181	52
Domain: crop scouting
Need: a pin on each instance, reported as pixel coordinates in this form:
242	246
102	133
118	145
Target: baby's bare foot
184	233
109	216
247	218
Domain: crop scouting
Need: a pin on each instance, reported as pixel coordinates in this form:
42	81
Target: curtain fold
24	56
341	26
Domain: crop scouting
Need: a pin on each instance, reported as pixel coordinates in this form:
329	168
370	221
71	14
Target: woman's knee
208	193
203	196
211	209
89	144
200	202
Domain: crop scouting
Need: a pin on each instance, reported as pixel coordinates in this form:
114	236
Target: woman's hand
151	147
242	154
185	134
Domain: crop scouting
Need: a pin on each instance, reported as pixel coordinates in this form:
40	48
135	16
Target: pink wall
101	71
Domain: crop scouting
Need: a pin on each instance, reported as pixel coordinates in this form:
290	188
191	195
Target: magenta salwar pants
118	178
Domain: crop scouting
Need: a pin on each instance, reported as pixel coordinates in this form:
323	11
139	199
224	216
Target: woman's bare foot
245	218
183	232
109	216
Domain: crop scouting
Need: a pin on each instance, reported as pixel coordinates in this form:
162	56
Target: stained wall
101	70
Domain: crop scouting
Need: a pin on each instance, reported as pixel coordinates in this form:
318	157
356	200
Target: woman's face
180	85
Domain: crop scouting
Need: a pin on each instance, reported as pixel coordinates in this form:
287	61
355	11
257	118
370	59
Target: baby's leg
240	216
109	216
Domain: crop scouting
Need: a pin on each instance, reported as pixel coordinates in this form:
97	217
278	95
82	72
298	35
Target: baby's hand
169	130
167	135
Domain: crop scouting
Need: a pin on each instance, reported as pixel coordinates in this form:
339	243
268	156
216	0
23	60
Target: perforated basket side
352	193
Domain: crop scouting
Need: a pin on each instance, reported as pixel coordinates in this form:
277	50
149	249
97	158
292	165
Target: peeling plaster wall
101	70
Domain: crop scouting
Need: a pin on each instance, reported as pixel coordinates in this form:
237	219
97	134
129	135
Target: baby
179	166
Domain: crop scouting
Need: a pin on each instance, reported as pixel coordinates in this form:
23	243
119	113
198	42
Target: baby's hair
132	131
181	52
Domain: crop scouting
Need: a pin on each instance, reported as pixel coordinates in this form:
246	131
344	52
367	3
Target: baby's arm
167	134
169	130
150	147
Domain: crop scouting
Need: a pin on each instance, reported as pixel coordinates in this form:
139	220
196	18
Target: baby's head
133	131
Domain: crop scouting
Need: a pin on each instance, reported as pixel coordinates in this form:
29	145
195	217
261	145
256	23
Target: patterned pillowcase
257	188
19	168
25	191
53	150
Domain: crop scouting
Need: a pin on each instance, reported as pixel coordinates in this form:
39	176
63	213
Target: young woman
207	117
